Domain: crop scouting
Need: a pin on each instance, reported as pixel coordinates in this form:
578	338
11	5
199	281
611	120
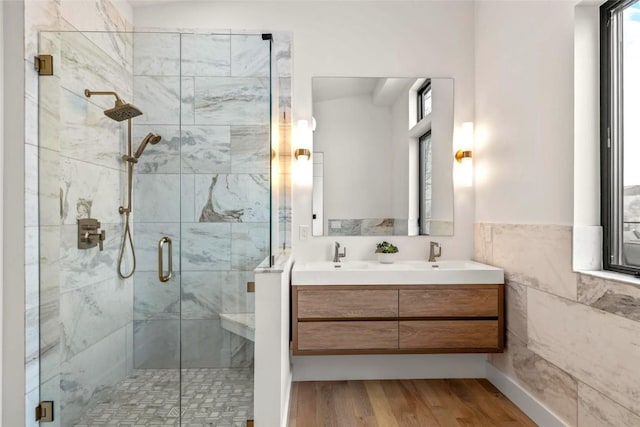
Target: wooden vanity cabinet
389	319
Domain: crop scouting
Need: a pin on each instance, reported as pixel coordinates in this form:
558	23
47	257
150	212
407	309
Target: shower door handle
161	275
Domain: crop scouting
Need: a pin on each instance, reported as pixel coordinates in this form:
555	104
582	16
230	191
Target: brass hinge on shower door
44	412
43	64
251	287
249	423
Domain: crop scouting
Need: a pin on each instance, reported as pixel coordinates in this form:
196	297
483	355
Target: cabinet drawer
349	335
463	302
449	334
347	304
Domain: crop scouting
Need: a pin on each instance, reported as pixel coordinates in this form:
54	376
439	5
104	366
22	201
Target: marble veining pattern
158	97
156	300
163	157
231	100
516	309
250	56
146	237
363	226
156	344
202	293
622	299
600	355
232	198
206	54
206	149
557	389
250	150
596	410
156	197
206	246
156	54
249	245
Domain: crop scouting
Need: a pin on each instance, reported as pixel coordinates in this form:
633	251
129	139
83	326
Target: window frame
426	87
611	153
421	142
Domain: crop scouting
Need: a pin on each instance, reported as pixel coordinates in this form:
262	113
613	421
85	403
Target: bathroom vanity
408	307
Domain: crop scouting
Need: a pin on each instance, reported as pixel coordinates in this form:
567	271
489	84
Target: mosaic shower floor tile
221	397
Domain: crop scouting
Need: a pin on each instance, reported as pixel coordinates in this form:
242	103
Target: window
620	134
424	100
424	219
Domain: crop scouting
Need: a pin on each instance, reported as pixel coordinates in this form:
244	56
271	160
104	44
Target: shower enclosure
140	350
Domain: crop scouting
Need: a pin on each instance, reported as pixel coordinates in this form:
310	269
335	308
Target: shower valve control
89	234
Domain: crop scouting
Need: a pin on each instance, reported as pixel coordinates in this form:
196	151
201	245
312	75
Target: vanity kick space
383	319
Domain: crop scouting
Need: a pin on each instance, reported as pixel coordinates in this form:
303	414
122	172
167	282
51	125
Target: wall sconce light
305	153
302	139
464	155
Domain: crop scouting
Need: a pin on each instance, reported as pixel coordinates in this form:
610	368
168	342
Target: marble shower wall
79	318
572	339
206	185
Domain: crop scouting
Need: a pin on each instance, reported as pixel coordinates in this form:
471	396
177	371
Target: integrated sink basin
445	272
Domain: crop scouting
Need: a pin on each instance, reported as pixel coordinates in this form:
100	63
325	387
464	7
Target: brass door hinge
251	287
43	65
249	423
44	412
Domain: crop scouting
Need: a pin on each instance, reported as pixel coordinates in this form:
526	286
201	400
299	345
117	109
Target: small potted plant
386	252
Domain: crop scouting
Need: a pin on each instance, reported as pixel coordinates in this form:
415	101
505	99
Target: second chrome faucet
336	253
432	251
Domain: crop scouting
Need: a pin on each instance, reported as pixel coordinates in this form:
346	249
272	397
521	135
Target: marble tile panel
205	344
87	135
156	54
284	101
595	347
49	301
84	66
538	256
129	347
32	399
400	226
31	101
146	237
206	247
154	300
49	193
235	298
89	376
40	16
158	97
163	157
377	226
157	198
282	44
32	349
250	149
242	352
613	297
344	227
89	191
50	390
516	309
187	198
250	56
94	15
188	101
47	121
206	149
91	313
202	293
554	387
80	267
156	344
482	242
232	198
31	264
232	101
206	54
596	410
249	245
117	45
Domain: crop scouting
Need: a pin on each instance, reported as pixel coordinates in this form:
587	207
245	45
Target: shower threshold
220	397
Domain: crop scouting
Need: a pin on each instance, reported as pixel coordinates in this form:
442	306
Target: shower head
121	111
151	138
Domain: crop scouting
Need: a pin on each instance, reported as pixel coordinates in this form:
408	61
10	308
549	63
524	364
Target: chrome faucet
336	253
432	251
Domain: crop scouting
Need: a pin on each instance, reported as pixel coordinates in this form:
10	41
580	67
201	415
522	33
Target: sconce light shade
305	153
463	154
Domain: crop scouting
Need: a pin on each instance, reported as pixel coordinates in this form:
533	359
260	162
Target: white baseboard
383	367
531	406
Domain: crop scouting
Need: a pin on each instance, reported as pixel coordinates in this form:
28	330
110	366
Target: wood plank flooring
400	403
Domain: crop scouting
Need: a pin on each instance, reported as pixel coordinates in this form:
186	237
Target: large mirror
382	156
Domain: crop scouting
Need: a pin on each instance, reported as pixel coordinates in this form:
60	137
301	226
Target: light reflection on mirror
382	163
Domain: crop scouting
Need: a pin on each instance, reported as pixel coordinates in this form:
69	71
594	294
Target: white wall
370	39
524	112
1	188
355	136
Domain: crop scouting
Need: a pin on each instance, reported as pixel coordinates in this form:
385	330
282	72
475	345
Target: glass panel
630	129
